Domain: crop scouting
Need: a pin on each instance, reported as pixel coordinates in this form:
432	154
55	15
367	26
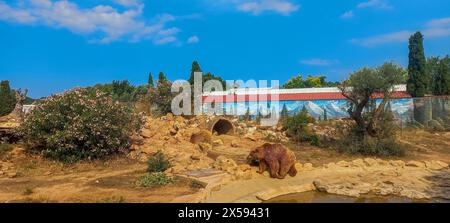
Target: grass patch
114	200
195	184
5	148
27	191
158	163
154	179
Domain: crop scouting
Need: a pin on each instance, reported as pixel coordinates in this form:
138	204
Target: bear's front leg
262	166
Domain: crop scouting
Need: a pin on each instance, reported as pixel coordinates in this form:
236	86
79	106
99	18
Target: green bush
158	163
79	124
435	125
154	179
297	128
353	144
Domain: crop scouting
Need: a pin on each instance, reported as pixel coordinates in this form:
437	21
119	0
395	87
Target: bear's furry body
279	160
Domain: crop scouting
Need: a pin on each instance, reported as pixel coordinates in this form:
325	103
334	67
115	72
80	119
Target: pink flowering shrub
79	124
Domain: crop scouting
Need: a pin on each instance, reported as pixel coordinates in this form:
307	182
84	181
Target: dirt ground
38	180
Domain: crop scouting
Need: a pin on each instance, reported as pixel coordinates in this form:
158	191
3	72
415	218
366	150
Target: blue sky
48	46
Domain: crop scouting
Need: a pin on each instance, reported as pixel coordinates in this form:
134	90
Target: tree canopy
309	82
418	77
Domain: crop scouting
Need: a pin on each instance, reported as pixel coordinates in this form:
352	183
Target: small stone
298	166
415	164
397	163
234	144
218	142
195	157
343	163
370	161
308	166
12	174
358	163
251	137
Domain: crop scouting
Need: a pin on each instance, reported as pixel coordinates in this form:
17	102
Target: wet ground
319	197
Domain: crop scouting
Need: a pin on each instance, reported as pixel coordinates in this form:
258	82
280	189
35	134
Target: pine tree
7	98
151	84
284	112
194	68
163	96
325	115
418	78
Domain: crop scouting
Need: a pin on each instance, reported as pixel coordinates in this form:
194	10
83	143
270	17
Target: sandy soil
41	180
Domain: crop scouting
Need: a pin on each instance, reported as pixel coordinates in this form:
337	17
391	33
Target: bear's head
256	155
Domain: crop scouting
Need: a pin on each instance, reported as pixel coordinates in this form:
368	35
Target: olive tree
361	87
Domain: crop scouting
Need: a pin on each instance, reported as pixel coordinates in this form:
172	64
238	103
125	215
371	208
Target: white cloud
348	15
433	29
128	3
319	62
378	4
400	36
8	13
193	39
102	23
257	7
439	22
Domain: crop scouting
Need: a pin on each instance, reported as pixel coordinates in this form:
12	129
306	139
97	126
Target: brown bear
276	157
203	136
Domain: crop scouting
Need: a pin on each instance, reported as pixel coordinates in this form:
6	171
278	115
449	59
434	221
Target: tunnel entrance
223	127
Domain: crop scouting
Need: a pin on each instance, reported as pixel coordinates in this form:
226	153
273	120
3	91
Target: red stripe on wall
292	97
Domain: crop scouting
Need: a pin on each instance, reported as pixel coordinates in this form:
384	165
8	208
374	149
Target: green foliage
441	76
353	144
310	82
154	179
5	148
7	98
359	88
435	125
79	124
27	191
121	91
196	184
157	163
418	77
297	127
205	76
151	83
162	96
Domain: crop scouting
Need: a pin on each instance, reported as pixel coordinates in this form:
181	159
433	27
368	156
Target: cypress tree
7	98
418	79
325	115
194	68
151	84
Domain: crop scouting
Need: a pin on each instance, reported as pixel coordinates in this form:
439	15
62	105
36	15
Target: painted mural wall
402	108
